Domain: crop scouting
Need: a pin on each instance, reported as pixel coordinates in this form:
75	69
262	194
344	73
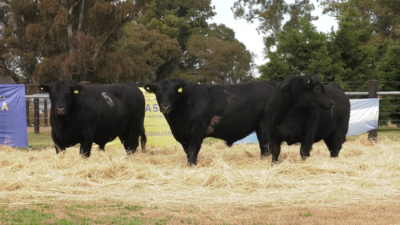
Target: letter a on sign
4	106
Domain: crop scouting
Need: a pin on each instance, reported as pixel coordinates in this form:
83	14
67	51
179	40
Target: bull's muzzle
165	109
60	111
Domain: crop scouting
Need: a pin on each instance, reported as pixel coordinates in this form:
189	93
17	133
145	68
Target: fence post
46	123
372	93
27	112
36	115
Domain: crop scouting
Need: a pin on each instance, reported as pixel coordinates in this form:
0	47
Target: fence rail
378	93
41	106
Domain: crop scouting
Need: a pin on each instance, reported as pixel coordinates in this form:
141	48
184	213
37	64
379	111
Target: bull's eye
158	94
318	89
68	95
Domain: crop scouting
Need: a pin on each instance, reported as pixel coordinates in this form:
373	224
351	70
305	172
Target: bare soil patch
41	129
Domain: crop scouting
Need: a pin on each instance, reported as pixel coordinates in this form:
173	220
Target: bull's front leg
275	149
58	145
193	152
195	140
274	145
306	145
88	138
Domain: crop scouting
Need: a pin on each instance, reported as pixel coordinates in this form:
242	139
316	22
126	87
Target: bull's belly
290	136
230	136
296	137
103	139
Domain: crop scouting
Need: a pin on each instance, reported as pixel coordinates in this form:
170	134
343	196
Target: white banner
364	114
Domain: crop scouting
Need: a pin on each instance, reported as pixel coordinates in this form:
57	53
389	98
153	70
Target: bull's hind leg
336	139
334	143
130	139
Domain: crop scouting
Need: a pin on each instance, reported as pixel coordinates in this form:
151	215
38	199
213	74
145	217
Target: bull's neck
287	107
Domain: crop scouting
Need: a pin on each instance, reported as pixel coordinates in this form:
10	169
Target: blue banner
13	128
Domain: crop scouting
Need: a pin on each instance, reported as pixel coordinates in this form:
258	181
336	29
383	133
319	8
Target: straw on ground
364	172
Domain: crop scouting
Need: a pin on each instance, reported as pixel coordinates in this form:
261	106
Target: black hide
229	112
88	114
300	110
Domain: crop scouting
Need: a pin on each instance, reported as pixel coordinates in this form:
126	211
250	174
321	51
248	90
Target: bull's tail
143	140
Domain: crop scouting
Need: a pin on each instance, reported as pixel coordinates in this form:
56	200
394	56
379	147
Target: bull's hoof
130	152
85	156
191	164
266	155
303	157
60	152
334	154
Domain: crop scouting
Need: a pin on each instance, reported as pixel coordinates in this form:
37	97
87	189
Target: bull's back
240	108
116	105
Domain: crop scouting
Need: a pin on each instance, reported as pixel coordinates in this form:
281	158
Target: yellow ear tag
41	88
76	91
308	81
147	88
180	90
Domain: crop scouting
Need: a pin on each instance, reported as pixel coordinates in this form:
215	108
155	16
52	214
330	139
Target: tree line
116	40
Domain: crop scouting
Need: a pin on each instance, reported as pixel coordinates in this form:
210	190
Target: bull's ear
152	88
180	87
45	88
76	89
307	82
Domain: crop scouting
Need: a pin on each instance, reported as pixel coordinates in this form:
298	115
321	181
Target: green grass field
79	213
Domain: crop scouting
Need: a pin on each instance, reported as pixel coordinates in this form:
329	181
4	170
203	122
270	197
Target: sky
246	32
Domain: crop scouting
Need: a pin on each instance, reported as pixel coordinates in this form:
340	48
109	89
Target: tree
178	19
388	70
384	15
347	55
154	55
272	14
219	57
49	39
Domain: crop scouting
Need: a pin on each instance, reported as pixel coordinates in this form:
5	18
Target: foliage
345	55
219	57
109	41
273	15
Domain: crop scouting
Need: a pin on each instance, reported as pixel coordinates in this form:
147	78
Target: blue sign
13	130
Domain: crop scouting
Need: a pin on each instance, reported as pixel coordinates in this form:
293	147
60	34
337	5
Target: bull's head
308	92
168	93
61	95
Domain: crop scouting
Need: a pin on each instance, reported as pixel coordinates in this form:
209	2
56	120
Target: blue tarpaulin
13	130
364	115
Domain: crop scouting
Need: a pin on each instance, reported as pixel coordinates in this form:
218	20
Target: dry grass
225	178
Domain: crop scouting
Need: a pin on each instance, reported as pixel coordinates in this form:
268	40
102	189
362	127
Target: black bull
303	110
229	112
88	114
